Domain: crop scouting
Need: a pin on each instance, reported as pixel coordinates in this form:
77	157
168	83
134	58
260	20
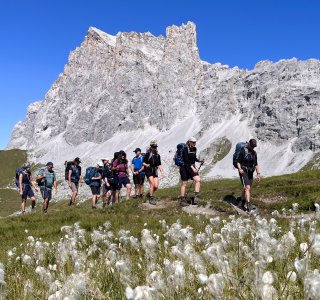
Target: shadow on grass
231	199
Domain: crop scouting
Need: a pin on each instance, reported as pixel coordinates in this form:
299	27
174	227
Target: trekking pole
193	181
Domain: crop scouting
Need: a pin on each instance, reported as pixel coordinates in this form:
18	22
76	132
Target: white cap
192	139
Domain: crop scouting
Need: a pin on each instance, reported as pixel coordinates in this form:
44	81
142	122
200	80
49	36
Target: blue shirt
137	163
96	182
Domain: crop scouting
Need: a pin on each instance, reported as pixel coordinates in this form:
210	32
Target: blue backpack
90	172
236	154
18	172
178	160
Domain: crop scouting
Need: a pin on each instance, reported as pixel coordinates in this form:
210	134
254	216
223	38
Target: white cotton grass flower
268	292
301	266
287	242
295	207
316	244
141	293
155	280
267	278
202	278
292	276
317	208
304	248
215	284
26	259
312	286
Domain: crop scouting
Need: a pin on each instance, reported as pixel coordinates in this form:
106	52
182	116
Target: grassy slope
269	194
9	160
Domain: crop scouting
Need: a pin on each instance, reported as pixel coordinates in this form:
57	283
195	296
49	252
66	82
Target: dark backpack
68	165
18	172
178	159
236	154
90	172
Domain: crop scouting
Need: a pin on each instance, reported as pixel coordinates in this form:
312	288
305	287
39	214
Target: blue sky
37	36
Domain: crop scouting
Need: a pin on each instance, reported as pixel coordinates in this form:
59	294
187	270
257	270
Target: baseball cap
77	159
27	167
192	139
137	149
49	163
153	143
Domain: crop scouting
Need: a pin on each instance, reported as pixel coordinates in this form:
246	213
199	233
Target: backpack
236	154
48	180
18	172
68	165
90	172
178	159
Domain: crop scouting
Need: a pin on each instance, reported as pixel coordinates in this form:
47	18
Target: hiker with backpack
74	178
46	179
121	170
137	170
185	158
26	183
94	183
108	183
245	160
152	163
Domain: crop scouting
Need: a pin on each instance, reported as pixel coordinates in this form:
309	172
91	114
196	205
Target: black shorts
95	190
152	172
106	188
26	192
138	179
187	173
46	193
246	178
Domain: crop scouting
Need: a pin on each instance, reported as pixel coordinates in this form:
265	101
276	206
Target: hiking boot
104	204
70	203
183	201
93	207
152	201
196	200
248	207
141	196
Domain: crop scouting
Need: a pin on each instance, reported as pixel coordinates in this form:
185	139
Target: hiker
152	163
247	163
26	183
188	171
74	177
120	168
95	185
46	179
108	190
137	170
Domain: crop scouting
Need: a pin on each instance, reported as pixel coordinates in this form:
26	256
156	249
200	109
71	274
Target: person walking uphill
95	185
25	189
189	171
46	179
120	167
137	170
74	177
247	163
152	163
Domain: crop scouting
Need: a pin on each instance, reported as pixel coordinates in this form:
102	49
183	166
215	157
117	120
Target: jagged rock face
132	81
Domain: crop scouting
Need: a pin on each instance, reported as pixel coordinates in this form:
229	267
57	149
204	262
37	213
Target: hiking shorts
74	187
46	193
106	188
123	181
246	178
27	192
138	179
152	172
95	190
187	173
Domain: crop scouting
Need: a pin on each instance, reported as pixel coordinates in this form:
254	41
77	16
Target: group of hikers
108	176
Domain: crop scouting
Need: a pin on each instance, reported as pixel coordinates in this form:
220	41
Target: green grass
10	160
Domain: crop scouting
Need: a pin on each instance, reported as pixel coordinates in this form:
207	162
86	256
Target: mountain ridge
153	86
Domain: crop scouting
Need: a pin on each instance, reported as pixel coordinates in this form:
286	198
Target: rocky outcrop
134	81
